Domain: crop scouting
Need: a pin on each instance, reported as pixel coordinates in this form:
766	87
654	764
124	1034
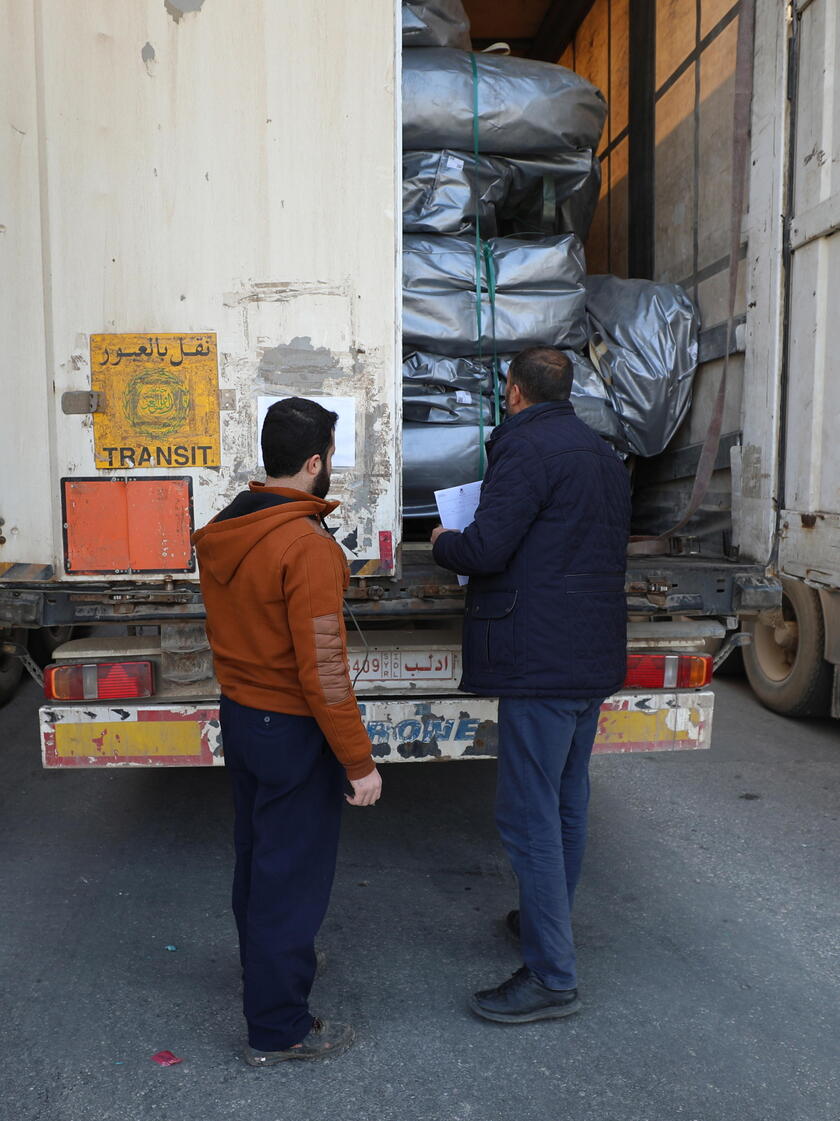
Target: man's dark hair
543	373
294	430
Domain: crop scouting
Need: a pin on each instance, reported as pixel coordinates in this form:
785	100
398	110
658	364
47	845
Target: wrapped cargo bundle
442	437
524	107
645	342
422	371
457	408
574	210
442	434
593	403
551	194
435	23
532	294
424	374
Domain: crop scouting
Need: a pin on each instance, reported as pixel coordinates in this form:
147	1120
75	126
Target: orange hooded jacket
273	584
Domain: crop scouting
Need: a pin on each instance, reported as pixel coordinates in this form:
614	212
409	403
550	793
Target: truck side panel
25	445
224	171
810	530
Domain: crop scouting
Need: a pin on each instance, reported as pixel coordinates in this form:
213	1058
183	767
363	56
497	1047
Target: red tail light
668	671
98	681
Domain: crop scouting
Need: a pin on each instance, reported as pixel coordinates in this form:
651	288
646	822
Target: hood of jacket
225	541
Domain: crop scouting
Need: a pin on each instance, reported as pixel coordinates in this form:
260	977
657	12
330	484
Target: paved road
708	926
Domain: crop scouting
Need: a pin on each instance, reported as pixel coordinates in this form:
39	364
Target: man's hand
438	530
366	790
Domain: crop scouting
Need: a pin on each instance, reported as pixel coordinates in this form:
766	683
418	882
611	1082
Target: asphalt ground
708	930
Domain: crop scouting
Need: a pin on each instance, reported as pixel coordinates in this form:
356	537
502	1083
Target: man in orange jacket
273	583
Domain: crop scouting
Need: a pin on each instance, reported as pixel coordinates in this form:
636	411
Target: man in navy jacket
545	631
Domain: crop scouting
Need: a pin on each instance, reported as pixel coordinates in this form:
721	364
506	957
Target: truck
191	231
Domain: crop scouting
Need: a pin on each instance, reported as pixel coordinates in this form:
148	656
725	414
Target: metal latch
78	402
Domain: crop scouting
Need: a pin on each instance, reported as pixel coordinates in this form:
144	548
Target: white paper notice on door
345	427
457	507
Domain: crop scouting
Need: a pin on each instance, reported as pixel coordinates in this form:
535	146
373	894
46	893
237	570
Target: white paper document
457	507
345	427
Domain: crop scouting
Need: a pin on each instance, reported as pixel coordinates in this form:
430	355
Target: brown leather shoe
324	1041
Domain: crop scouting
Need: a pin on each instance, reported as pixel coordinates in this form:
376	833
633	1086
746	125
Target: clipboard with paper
457	507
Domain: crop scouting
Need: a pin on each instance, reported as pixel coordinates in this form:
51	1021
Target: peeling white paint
276	219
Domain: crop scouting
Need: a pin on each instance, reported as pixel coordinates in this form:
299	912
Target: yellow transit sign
158	401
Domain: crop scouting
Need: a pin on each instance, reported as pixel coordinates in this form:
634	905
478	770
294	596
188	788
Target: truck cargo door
198	231
810	491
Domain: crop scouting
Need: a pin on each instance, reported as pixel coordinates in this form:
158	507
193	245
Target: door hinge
78	402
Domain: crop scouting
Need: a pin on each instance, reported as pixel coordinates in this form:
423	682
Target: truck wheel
11	668
785	664
44	640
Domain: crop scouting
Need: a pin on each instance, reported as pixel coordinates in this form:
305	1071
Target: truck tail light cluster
668	671
98	681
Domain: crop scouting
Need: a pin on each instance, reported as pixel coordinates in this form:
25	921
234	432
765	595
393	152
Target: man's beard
321	486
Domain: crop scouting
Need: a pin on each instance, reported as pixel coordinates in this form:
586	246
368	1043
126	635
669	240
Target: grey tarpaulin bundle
499	175
435	23
524	107
441	428
427	374
645	337
555	194
532	293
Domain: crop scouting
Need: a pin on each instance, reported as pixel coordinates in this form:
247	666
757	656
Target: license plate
403	665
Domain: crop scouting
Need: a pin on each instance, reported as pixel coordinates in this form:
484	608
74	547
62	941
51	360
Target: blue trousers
542	798
287	794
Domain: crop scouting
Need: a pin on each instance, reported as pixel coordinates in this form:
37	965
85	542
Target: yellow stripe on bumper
127	740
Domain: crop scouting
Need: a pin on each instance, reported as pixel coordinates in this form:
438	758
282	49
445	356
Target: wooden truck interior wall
667	70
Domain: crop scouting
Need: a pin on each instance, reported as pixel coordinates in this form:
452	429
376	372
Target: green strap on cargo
482	458
477	202
490	266
483	259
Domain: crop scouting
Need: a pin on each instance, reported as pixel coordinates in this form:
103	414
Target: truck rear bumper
401	730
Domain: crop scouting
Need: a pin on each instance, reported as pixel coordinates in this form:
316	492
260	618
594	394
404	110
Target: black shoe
324	1041
512	927
522	999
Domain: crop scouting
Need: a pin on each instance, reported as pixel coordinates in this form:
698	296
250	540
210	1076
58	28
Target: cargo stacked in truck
500	182
500	185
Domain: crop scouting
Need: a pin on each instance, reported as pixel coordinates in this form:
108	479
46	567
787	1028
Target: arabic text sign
159	401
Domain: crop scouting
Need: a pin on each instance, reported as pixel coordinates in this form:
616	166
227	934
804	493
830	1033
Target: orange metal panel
128	525
158	524
96	526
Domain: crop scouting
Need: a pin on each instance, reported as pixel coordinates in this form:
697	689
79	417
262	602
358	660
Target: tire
11	668
44	641
785	664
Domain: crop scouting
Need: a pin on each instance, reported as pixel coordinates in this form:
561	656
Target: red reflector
668	671
98	681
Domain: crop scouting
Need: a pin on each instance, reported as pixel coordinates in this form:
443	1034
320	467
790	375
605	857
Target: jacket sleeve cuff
360	770
441	547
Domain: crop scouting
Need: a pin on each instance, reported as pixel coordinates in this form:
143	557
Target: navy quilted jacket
546	555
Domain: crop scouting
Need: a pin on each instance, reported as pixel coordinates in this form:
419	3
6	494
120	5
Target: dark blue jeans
287	794
542	798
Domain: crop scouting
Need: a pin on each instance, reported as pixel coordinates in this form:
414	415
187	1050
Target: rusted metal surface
401	731
130	736
680	586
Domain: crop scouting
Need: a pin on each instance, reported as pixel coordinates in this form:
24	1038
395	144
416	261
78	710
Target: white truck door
810	490
202	219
